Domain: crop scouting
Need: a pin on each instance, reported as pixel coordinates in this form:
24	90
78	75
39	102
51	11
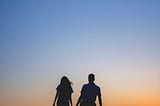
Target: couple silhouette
89	92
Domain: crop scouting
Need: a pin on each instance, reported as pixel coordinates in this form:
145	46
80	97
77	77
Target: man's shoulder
87	85
84	85
97	86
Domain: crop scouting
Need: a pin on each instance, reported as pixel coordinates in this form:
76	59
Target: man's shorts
87	104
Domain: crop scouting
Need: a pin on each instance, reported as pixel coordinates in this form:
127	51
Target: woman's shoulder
58	87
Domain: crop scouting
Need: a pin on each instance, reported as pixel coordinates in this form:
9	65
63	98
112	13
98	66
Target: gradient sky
117	40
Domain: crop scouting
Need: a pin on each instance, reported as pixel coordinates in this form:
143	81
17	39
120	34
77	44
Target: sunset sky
43	40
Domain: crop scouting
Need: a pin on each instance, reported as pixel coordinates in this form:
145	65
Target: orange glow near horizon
109	97
118	89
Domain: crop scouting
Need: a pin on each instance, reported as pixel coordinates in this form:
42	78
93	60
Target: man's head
91	78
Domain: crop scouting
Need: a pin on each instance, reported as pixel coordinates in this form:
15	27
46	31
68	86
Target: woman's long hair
65	82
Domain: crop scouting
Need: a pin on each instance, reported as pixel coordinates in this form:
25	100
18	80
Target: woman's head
65	81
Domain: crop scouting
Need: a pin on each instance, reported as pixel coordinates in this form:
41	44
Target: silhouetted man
89	93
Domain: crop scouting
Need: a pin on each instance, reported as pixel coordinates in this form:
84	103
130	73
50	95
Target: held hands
53	104
77	104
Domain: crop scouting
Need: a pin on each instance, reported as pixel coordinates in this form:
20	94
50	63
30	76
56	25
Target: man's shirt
89	92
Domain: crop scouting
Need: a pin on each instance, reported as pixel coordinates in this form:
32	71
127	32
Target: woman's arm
71	100
55	98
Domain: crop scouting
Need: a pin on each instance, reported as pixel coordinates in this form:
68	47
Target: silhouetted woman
64	92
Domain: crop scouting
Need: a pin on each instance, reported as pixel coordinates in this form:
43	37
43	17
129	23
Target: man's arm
99	97
79	100
100	100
